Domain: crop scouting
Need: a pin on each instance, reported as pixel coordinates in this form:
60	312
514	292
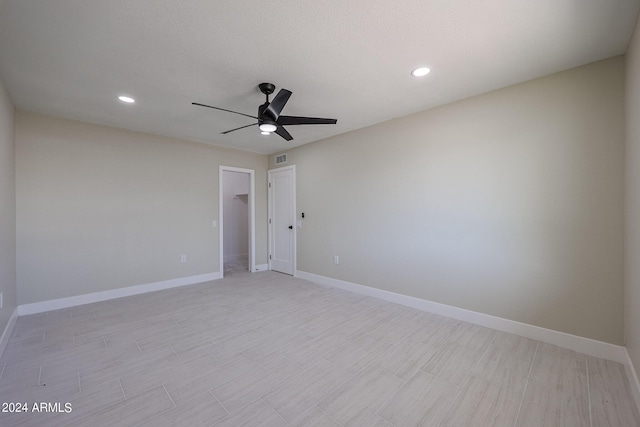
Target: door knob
291	227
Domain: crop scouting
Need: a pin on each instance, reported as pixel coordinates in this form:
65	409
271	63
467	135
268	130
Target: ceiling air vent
281	158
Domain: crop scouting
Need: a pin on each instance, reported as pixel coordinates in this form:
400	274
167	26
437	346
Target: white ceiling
349	60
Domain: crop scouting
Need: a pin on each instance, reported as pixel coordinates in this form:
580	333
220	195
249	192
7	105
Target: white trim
6	334
252	214
57	304
261	267
573	342
293	215
633	379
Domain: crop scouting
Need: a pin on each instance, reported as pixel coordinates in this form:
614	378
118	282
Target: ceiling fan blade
283	133
294	120
222	109
241	127
278	102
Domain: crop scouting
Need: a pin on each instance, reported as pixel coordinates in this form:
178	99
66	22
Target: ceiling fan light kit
269	118
268	127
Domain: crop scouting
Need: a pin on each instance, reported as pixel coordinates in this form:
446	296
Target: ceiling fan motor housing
261	118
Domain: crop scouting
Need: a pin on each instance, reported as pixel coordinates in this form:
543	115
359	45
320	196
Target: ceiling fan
269	118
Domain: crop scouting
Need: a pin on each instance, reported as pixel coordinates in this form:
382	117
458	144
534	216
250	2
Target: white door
282	232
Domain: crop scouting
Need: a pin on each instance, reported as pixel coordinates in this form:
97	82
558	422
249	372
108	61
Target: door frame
252	214
293	214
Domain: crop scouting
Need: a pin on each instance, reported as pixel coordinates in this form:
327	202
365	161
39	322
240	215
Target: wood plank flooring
266	349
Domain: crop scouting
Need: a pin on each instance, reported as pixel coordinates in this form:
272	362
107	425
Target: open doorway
237	220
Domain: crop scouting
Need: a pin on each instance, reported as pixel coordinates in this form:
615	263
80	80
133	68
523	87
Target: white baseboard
57	304
6	334
261	267
583	345
633	379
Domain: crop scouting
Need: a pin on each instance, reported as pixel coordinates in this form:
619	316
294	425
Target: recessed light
265	133
420	72
126	99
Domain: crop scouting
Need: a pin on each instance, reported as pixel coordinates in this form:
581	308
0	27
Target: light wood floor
265	349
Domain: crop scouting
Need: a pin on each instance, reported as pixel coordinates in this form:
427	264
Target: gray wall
632	283
510	203
100	208
7	209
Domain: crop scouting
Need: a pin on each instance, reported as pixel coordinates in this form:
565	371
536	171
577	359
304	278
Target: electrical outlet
336	259
183	258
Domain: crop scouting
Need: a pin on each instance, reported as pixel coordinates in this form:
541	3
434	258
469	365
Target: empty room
273	213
